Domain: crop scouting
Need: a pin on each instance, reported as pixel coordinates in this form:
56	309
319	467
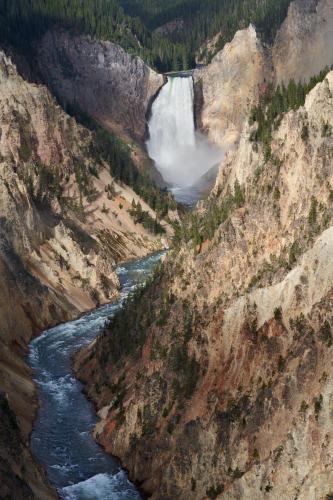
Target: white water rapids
181	154
62	438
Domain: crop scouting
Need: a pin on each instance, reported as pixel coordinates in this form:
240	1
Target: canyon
220	384
216	381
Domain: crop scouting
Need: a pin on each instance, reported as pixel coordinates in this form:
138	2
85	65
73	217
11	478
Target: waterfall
181	154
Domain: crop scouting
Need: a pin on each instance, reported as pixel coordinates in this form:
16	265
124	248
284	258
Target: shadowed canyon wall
101	79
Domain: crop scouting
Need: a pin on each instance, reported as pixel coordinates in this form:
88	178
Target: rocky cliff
64	225
101	79
222	387
304	43
229	86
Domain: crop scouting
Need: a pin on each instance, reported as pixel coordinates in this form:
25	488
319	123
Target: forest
23	22
139	25
203	19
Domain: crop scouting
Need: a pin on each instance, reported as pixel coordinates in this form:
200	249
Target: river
61	440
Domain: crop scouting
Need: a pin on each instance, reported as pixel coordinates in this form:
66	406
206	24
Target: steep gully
61	439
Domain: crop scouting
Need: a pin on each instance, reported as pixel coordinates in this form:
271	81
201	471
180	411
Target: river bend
61	439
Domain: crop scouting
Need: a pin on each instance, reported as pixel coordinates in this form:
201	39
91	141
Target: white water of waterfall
181	154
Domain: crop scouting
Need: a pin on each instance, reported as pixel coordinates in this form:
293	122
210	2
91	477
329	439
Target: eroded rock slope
304	43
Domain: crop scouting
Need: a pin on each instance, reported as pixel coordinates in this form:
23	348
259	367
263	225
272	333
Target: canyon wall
101	79
222	387
229	85
304	43
232	83
64	226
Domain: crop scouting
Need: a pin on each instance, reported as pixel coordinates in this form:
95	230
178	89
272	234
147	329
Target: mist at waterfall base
181	154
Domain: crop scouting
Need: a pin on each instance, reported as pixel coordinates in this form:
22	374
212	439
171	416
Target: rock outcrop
233	82
101	79
304	43
64	225
230	84
227	392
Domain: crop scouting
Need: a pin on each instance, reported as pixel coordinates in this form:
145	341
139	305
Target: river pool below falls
61	440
